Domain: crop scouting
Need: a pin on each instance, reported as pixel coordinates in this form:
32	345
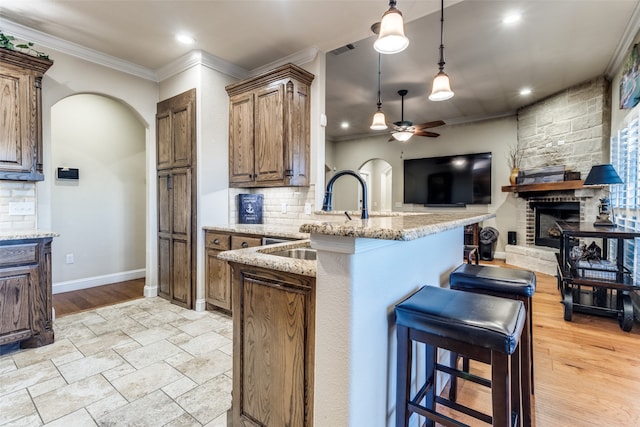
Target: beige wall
70	76
101	216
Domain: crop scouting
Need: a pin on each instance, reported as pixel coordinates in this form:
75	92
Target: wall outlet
22	208
69	259
283	208
307	208
398	204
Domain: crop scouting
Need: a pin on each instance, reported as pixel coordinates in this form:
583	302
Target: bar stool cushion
482	320
495	279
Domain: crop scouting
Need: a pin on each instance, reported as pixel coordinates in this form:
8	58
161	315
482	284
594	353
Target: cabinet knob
288	172
216	241
244	245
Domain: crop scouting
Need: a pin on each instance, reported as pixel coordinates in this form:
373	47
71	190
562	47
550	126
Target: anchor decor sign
250	208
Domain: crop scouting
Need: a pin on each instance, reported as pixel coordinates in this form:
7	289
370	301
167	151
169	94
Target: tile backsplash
276	200
17	192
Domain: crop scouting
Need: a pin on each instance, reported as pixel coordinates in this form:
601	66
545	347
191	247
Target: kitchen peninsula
347	359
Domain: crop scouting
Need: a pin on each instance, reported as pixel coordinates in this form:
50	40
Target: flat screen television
448	181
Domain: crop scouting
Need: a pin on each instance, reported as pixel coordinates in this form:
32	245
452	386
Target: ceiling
556	44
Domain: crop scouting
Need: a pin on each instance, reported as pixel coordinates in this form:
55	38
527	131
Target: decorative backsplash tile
17	192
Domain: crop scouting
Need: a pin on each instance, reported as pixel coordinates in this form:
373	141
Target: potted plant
9	43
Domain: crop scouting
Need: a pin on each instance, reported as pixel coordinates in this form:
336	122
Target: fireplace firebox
546	214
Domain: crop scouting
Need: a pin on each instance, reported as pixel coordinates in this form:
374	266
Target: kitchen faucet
326	205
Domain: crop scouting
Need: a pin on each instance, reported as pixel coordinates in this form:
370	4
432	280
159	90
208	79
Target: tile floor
140	363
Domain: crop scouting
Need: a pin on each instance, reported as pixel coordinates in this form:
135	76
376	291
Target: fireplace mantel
544	187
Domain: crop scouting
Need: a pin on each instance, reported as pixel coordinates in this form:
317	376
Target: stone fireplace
571	129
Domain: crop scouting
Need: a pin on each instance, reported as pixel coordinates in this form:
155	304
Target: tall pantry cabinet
176	165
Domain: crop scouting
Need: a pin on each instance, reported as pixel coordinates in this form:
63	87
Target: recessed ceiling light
525	91
344	125
185	39
511	18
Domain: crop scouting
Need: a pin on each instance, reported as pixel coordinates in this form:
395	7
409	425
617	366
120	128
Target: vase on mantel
514	175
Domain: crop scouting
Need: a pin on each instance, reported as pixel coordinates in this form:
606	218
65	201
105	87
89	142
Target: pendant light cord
379	100
441	63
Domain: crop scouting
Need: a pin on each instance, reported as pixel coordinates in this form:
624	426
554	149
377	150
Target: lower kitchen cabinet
25	292
217	272
273	347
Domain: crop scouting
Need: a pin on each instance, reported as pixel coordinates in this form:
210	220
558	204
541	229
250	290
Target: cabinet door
273	349
175	124
218	281
17	287
174	236
241	148
15	135
269	134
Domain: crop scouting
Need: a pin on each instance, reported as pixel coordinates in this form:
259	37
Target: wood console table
596	287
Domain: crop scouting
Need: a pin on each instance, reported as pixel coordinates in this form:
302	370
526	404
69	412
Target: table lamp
603	175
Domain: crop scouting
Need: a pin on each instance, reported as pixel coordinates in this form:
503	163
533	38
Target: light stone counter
26	234
271	230
403	227
260	257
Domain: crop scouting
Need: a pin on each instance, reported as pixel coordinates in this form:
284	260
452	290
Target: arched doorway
378	174
101	215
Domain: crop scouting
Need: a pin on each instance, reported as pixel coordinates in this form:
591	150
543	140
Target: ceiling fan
405	129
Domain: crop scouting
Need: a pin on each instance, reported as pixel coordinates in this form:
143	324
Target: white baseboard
91	282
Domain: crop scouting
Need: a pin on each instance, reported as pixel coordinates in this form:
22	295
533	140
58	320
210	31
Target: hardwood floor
100	296
586	372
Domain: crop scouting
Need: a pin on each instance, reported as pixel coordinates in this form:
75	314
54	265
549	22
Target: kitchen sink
297	253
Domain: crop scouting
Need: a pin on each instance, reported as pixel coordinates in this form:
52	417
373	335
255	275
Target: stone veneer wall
571	128
16	191
294	197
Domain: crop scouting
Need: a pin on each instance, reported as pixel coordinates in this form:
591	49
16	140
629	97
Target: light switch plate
22	208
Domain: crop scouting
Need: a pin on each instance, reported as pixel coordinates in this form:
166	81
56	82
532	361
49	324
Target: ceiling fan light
441	88
379	121
391	38
402	136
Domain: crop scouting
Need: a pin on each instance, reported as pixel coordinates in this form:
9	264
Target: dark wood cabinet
25	292
21	115
269	129
273	347
176	186
217	272
218	291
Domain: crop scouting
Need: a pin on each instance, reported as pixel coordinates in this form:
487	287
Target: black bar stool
507	283
481	327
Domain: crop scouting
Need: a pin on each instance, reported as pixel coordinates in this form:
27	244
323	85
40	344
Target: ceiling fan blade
426	133
428	125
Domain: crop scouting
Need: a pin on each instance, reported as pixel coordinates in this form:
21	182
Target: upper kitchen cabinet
175	123
21	115
269	129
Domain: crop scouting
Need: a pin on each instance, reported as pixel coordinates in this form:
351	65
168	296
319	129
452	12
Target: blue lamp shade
603	174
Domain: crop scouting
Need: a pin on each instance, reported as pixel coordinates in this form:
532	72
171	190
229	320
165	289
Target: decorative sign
250	208
630	80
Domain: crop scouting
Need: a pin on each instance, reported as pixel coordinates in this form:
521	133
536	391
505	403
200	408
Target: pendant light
379	121
441	89
391	38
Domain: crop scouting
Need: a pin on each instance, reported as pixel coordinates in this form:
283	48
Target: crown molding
200	57
627	39
73	49
301	57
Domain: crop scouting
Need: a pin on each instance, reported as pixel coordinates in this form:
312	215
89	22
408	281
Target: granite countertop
271	230
26	234
396	227
260	257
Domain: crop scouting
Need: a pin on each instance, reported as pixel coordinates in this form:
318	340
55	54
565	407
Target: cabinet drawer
18	254
219	241
240	242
